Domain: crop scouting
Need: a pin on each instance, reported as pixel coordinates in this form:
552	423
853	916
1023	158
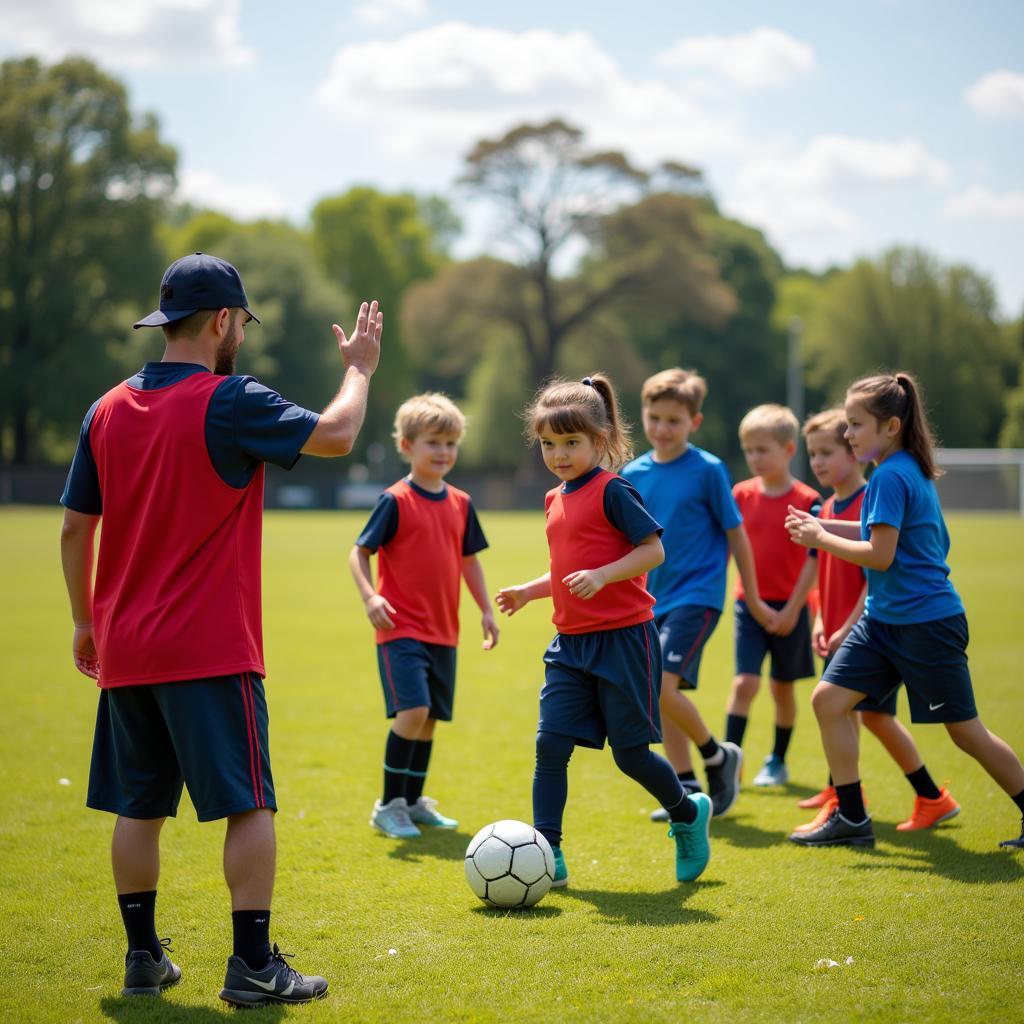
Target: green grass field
932	921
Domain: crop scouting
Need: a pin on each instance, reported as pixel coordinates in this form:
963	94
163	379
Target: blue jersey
692	498
916	587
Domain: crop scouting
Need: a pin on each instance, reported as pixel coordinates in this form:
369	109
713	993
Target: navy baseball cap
197	282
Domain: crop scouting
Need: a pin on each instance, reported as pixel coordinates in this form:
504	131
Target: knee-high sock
658	777
551	784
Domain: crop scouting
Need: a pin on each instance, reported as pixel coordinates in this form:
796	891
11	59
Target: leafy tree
82	186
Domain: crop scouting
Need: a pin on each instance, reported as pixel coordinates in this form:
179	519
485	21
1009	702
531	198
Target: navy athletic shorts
887	706
791	656
208	734
929	658
683	632
415	674
603	685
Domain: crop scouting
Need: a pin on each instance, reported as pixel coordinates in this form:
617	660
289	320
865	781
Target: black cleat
837	831
144	976
275	983
724	778
1015	844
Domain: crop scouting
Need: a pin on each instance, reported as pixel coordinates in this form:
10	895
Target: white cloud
762	57
137	34
979	202
435	91
788	217
387	13
245	201
997	94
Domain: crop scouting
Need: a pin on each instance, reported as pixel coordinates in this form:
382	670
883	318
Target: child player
688	491
426	535
768	434
843	589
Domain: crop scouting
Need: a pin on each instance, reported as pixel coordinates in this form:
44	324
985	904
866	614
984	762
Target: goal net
990	479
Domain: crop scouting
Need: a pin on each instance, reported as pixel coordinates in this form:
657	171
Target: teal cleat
423	813
773	772
561	879
693	844
393	819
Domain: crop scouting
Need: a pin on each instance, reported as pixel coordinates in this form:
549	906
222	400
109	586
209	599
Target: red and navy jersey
777	559
591	522
840	582
421	538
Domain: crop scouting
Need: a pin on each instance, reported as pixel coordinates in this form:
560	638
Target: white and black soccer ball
509	864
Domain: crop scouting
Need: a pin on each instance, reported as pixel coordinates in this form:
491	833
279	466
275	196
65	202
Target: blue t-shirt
692	496
916	587
623	506
246	424
383	522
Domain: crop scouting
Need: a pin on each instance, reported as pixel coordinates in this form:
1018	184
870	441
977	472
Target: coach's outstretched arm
339	424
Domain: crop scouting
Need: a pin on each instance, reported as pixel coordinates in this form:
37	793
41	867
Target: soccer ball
509	864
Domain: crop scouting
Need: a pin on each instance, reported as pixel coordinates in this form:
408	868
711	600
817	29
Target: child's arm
841	634
847	528
818	639
789	613
77	549
473	574
378	609
585	583
743	555
511	599
877	552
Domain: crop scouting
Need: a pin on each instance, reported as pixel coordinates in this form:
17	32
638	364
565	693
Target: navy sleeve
82	489
473	540
247	423
382	524
815	511
625	510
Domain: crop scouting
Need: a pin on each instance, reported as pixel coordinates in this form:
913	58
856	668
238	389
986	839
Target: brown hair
582	407
191	326
898	394
428	411
777	420
829	420
687	387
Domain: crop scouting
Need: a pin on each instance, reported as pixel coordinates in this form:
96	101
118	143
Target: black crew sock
417	770
397	757
830	782
689	776
711	752
138	911
783	734
684	812
735	727
252	936
1019	801
851	802
923	783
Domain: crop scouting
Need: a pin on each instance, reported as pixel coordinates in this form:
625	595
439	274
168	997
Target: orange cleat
928	813
822	816
819	799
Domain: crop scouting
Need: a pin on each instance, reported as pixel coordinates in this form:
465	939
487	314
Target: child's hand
83	650
379	612
835	641
785	621
803	528
511	599
585	583
764	614
819	641
490	630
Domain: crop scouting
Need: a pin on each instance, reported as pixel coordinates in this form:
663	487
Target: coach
171	460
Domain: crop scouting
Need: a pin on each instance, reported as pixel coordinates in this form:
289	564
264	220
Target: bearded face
227	350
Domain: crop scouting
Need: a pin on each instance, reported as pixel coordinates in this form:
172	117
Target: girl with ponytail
603	668
913	630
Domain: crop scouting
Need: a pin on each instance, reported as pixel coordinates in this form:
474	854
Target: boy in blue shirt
688	490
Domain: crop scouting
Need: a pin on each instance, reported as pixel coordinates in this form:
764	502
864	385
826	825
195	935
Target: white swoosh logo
675	657
268	986
935	707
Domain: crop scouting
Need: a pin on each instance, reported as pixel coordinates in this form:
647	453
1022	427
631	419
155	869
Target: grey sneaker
837	831
773	772
690	786
724	778
423	813
275	983
393	819
144	976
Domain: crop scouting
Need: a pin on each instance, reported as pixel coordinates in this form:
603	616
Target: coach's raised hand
362	350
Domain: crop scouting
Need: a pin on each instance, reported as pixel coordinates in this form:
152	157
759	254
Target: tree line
599	264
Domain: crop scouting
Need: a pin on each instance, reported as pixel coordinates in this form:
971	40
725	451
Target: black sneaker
1015	844
724	778
837	831
690	786
275	983
144	976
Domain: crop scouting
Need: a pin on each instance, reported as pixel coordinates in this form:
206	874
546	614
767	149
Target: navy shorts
208	734
887	706
929	658
791	656
683	633
415	674
603	685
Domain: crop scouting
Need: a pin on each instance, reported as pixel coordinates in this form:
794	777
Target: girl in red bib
603	668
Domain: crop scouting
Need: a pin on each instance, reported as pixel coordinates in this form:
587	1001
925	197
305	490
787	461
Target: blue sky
840	130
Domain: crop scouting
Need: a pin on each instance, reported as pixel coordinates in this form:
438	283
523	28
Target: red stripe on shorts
700	639
256	739
650	684
391	682
249	736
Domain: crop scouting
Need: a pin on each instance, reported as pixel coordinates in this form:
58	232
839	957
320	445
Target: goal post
984	479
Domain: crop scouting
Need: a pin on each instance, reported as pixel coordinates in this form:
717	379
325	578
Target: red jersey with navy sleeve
777	559
176	539
580	536
840	582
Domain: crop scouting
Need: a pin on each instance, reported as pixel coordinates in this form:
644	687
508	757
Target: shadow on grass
653	908
526	914
157	1010
439	843
734	829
